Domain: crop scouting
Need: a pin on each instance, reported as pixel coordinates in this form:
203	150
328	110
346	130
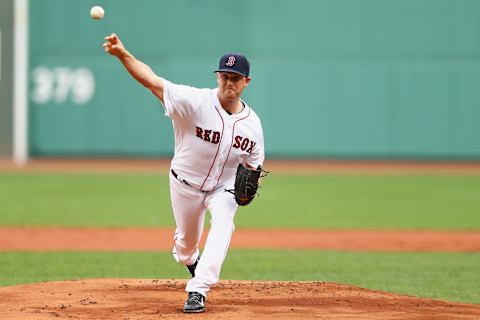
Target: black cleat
192	268
195	303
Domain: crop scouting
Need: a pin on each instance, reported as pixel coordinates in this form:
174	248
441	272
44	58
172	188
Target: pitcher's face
231	85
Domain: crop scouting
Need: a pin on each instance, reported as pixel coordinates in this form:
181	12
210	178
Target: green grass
323	201
84	200
452	276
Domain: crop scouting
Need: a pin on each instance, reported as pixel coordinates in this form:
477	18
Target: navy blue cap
234	62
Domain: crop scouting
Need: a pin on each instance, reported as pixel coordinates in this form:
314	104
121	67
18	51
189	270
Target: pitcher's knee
184	252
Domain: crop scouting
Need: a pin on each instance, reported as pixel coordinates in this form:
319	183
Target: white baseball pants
189	207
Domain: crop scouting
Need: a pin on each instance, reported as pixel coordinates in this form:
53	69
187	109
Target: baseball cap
234	62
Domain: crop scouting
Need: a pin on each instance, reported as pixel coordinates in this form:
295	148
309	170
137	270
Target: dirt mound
163	299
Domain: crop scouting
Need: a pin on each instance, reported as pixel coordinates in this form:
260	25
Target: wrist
124	55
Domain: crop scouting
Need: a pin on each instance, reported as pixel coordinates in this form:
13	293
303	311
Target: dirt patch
151	239
163	299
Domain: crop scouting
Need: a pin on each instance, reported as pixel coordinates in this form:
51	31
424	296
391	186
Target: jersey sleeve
180	100
257	156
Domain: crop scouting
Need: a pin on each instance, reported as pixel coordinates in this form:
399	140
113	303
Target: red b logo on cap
231	61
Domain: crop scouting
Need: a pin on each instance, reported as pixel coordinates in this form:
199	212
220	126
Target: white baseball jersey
209	142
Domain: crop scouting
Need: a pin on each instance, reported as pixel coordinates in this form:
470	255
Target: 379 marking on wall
61	84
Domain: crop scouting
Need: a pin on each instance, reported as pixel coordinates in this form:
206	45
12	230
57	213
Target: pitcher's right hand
114	46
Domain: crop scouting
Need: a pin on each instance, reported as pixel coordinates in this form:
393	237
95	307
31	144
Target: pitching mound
163	299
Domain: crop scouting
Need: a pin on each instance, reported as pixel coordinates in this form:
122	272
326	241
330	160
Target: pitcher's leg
189	213
223	208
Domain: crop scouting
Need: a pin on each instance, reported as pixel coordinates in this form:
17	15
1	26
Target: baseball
97	12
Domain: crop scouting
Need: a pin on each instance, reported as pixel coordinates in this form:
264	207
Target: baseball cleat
195	303
192	268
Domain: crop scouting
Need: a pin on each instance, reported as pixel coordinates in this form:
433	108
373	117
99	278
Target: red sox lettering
244	143
208	135
214	137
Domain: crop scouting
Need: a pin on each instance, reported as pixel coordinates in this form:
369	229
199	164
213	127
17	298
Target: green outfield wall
330	78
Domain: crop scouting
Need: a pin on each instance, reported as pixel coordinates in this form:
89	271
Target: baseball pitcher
218	148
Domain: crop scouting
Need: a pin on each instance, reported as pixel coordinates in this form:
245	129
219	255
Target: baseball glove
246	184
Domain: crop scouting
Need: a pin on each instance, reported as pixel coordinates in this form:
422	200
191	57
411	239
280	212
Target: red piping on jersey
216	154
233	133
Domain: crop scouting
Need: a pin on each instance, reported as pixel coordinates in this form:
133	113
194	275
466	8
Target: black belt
178	178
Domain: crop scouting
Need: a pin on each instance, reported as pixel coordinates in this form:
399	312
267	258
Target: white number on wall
62	83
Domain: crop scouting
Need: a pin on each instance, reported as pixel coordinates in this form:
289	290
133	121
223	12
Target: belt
178	178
